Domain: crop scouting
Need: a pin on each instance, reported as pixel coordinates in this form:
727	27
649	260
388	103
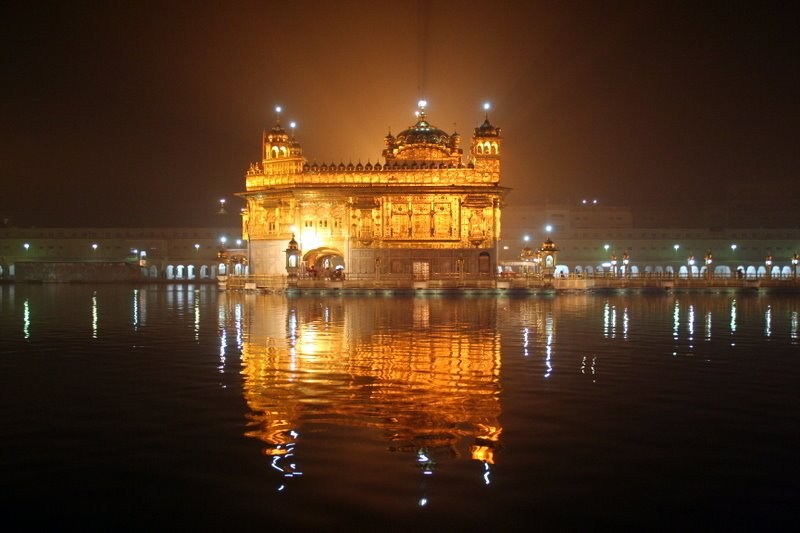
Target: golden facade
423	211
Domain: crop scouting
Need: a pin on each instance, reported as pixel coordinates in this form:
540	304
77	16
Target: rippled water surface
183	407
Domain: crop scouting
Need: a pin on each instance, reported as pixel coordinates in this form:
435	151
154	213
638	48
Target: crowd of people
329	273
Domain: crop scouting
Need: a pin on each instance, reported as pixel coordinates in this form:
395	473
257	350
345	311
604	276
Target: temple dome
422	143
423	133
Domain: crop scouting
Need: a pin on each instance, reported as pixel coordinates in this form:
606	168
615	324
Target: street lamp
197	247
292	261
606	247
691	264
625	260
94	246
768	262
708	259
26	246
614	265
794	265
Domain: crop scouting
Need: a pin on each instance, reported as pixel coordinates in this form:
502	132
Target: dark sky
147	113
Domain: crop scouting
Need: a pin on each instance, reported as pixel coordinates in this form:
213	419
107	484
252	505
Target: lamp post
292	261
768	262
625	260
690	262
708	259
613	265
794	265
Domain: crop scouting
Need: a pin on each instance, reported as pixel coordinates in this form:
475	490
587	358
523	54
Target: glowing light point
223	240
422	104
278	109
292	124
548	228
486	106
222	200
94	246
26	245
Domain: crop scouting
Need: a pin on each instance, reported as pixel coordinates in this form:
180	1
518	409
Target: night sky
146	113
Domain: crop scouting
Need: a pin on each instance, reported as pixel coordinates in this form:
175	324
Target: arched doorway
323	262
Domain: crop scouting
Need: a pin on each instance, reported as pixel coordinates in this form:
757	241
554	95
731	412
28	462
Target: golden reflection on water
425	373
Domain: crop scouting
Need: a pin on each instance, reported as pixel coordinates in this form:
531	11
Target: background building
65	254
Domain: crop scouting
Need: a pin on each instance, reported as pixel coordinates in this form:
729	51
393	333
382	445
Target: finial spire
486	107
421	105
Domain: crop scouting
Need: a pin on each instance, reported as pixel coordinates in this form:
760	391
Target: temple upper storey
421	155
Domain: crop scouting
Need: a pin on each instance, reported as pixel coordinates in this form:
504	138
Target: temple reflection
424	372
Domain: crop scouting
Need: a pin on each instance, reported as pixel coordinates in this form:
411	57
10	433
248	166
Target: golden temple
424	212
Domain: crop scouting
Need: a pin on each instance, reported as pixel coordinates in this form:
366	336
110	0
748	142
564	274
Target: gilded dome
423	133
423	143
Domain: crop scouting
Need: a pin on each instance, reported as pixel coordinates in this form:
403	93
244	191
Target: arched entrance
324	262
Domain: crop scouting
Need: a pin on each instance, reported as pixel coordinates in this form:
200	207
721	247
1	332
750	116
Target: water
167	407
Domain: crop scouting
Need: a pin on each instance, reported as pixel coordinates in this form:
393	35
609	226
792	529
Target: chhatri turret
486	143
281	153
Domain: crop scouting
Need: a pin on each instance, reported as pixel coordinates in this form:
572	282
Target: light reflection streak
26	319
548	330
676	320
733	316
625	323
238	325
223	344
135	309
525	342
793	326
591	366
708	325
94	315
197	319
487	471
768	321
690	323
609	321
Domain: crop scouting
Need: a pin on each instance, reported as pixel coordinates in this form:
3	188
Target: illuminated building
423	212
